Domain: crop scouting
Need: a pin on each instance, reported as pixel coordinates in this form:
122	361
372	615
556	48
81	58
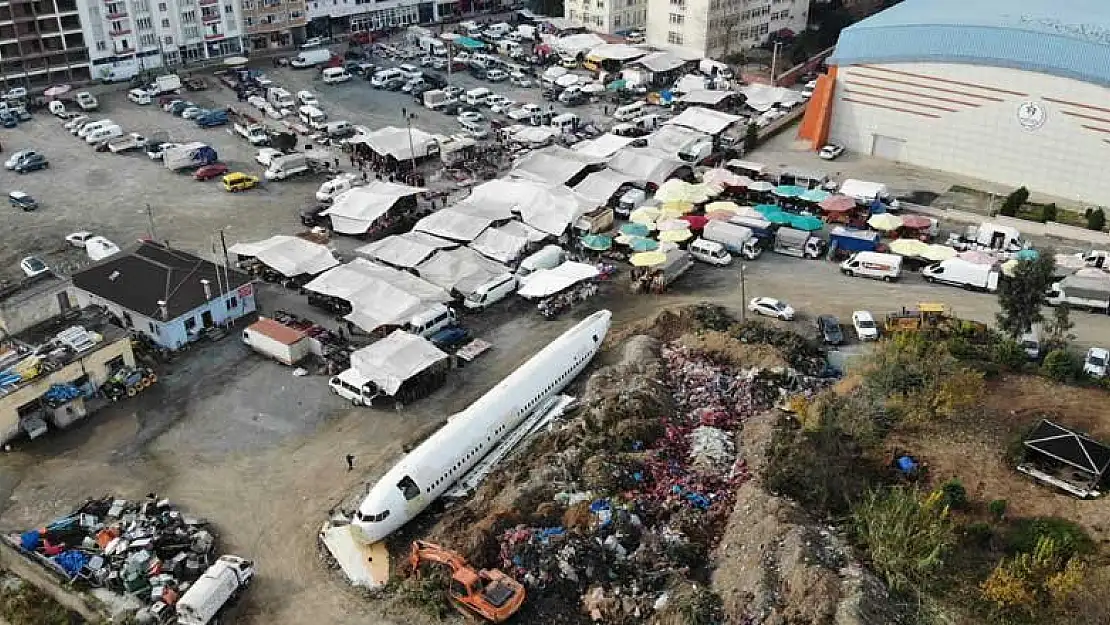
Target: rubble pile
147	549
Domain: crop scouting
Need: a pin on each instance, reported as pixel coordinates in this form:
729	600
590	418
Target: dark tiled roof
138	278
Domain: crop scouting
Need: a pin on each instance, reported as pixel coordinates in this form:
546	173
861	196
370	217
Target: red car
208	172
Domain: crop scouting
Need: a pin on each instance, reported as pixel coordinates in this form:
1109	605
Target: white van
709	252
312	117
83	131
476	97
885	267
385	76
410	71
550	257
335	75
335	186
139	96
491	292
103	134
567	122
431	321
354	387
629	112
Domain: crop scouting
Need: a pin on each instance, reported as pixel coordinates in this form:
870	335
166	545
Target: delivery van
550	257
103	134
335	75
431	321
959	272
491	292
330	189
477	97
312	117
709	252
629	112
885	267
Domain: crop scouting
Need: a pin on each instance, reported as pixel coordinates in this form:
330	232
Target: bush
1069	538
1008	354
953	494
978	534
824	470
997	508
1060	365
1048	212
1033	583
1096	219
906	535
1014	201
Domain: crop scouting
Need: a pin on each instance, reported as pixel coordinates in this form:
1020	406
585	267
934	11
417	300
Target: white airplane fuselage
428	471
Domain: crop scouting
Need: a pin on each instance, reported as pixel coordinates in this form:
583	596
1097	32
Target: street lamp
408	124
743	296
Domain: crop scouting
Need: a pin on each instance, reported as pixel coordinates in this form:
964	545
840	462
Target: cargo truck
166	83
852	240
214	591
761	228
798	243
187	156
1087	292
959	272
662	276
280	342
287	165
737	239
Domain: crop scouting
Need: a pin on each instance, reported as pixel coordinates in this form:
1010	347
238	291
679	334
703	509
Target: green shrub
1014	201
1096	219
906	535
1008	354
1060	365
978	534
1048	213
1069	538
954	494
997	508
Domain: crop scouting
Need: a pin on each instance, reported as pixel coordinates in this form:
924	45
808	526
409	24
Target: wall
33	305
965	119
94	365
1025	227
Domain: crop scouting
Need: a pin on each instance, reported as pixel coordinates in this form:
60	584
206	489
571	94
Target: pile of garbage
148	549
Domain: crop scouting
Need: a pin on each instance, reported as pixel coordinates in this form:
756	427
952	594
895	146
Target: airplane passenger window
408	488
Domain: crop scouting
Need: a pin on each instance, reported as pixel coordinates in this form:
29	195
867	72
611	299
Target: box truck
286	165
852	240
959	272
798	243
167	83
1089	292
215	590
280	342
310	58
190	155
761	228
885	267
735	238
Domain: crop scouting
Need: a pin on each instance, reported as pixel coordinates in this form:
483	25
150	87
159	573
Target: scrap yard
506	324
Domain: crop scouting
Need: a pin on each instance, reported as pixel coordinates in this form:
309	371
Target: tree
907	535
1014	201
1058	330
751	138
1060	365
1096	219
1021	296
1048	213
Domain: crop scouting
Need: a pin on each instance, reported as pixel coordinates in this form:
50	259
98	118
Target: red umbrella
697	222
916	222
837	204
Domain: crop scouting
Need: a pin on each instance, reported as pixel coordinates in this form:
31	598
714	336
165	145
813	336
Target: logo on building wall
1031	115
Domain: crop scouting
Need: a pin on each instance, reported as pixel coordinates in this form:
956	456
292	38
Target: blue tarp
30	540
71	561
469	44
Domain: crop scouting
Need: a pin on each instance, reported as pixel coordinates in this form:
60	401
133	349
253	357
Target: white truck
310	58
129	141
86	101
885	267
998	237
286	165
433	46
166	83
215	590
280	342
866	192
737	239
189	155
255	134
280	98
436	99
798	243
1089	292
959	272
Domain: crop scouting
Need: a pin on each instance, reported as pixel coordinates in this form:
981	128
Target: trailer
280	342
188	156
1089	292
798	243
220	585
852	240
737	239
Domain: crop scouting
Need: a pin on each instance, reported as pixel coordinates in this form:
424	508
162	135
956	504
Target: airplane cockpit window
373	518
408	488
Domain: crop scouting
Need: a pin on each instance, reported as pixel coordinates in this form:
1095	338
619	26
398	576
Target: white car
470	117
439	63
1094	364
771	307
426	61
74	122
274	113
14	159
156	152
191	112
257	102
496	75
519	80
503	106
306	98
33	266
864	324
266	156
16	93
831	151
79	239
525	112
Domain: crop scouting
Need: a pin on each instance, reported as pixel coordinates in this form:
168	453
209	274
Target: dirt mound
672	323
725	348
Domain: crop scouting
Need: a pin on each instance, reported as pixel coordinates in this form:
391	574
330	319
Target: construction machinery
128	382
927	315
490	595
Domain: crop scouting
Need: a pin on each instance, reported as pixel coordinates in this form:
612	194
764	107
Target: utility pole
743	295
408	124
223	244
150	222
774	62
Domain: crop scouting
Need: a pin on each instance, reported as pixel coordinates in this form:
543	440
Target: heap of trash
147	549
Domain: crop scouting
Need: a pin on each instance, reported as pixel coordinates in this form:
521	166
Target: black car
394	84
478	73
828	327
310	215
31	163
435	81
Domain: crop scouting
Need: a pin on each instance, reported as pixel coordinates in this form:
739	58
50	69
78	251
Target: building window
616	21
677	19
189	17
681	4
190	324
229	9
675	38
148	40
144	23
232	302
101	46
168	40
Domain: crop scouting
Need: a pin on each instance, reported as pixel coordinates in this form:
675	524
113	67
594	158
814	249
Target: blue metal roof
1069	38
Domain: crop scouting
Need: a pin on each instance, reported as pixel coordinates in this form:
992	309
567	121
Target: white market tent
534	135
661	62
763	97
672	139
379	295
567	80
690	82
602	147
544	207
645	164
289	256
388	363
573	45
616	52
705	120
507	243
599	186
454	225
705	96
545	282
355	210
461	270
395	142
554	164
398	250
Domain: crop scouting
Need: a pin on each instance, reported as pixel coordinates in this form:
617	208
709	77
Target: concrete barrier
32	573
1033	228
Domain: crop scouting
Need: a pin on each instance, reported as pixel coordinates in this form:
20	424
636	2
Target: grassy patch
23	604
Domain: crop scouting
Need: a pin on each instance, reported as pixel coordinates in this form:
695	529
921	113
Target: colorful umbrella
778	217
678	208
666	246
916	222
675	236
648	259
721	206
672	224
814	195
644	215
977	257
1028	254
805	222
789	190
938	253
624	239
720	215
697	222
837	204
885	222
597	242
763	209
641	244
761	186
909	247
635	230
1009	268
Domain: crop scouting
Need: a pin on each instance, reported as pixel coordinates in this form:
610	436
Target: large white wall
965	119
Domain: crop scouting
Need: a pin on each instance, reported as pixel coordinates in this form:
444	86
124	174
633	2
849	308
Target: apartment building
41	43
274	23
715	28
332	17
127	37
612	17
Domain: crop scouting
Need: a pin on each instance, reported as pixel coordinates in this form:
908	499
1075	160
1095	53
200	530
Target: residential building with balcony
273	23
331	18
716	28
41	42
613	17
128	37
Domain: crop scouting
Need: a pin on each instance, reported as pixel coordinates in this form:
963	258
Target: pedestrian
337	162
352	157
350	462
365	176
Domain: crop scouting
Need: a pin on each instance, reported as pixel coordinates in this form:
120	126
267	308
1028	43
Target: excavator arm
492	595
423	551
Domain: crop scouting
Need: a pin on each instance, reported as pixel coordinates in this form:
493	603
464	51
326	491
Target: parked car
496	75
864	325
831	151
238	181
33	266
266	156
449	338
209	172
771	307
17	157
155	151
23	201
394	84
192	112
454	92
32	163
470	117
1095	363
502	106
828	327
78	239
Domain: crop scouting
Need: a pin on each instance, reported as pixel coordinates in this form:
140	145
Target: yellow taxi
238	181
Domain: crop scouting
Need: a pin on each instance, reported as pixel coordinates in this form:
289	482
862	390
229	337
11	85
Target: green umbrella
641	244
789	190
806	222
763	209
778	217
815	196
1028	254
635	230
616	85
597	242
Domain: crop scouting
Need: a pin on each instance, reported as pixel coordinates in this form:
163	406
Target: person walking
350	462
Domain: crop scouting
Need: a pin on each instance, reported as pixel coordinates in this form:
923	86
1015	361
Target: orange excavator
491	595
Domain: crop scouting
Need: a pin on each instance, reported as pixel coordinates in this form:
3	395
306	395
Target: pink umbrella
916	222
837	204
56	91
977	257
718	215
697	222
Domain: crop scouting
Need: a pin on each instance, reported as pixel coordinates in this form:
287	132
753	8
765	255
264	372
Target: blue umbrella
778	217
1029	254
814	195
635	230
763	209
805	222
789	190
641	244
597	242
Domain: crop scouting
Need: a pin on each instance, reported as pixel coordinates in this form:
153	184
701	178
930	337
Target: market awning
545	282
392	361
705	120
451	224
400	143
645	164
601	185
468	43
461	270
379	295
290	256
398	250
507	243
1076	450
354	211
602	147
553	165
707	97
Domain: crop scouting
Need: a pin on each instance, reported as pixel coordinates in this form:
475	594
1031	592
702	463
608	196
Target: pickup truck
86	101
255	134
129	141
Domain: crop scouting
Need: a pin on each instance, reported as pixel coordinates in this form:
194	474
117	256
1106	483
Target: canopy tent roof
602	147
553	164
379	295
764	97
574	45
289	256
388	363
709	97
356	209
461	270
452	224
690	82
545	207
399	250
645	164
395	142
672	139
616	52
468	43
507	243
1071	448
706	120
496	199
601	185
660	62
538	135
545	282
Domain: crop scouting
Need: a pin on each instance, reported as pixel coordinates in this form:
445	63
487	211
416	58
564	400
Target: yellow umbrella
678	207
1009	267
647	259
885	222
722	206
644	215
675	236
909	247
938	253
623	239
